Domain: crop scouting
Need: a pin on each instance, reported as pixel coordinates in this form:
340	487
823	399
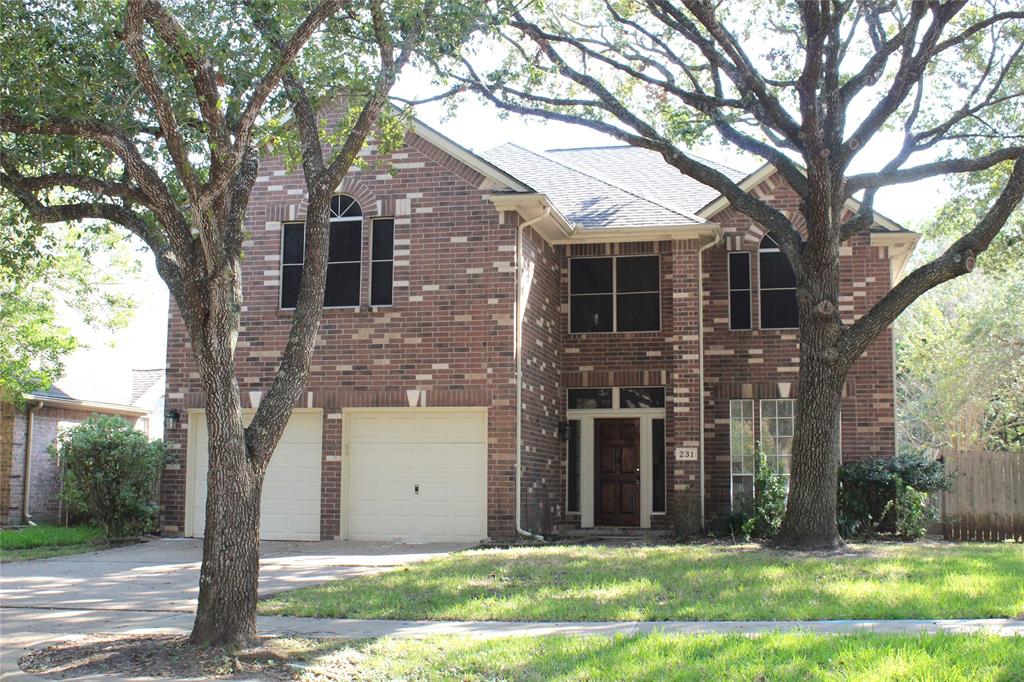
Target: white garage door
290	506
416	475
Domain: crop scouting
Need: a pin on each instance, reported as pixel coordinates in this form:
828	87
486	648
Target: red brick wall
752	364
543	457
449	332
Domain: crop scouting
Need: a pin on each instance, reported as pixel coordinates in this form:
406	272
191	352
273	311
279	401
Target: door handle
416	488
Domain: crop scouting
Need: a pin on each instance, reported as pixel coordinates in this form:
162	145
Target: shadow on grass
679	583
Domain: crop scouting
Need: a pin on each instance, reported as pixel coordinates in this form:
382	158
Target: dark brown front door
617	472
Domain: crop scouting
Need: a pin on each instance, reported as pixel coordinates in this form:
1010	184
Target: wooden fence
987	499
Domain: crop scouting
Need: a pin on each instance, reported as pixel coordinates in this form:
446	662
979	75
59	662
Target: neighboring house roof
143	380
586	197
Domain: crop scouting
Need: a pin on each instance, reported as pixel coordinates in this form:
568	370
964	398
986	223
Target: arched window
344	256
777	287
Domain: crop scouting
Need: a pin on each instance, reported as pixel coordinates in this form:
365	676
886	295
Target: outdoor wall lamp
563	431
171	419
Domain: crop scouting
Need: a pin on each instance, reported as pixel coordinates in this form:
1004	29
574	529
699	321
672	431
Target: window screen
777	287
344	249
382	261
739	290
619	293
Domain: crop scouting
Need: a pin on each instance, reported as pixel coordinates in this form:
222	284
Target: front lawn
684	582
795	656
40	542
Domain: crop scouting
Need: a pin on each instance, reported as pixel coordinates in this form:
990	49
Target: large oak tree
932	88
153	116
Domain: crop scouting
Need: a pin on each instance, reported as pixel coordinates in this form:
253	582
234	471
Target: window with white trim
739	291
741	450
778	418
382	261
615	294
777	287
344	256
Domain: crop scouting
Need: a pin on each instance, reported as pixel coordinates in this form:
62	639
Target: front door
617	472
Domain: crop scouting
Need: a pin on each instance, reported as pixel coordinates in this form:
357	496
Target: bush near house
110	472
889	494
761	516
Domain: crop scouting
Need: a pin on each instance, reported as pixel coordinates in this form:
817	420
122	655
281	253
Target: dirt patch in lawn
170	656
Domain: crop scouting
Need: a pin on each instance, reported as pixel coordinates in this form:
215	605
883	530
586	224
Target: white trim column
646	469
586	472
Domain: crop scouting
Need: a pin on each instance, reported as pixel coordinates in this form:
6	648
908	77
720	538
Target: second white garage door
416	475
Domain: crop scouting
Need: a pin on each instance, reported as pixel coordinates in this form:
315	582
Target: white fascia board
641	233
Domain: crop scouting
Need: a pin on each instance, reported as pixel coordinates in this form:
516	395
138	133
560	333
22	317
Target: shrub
110	471
868	490
769	500
911	513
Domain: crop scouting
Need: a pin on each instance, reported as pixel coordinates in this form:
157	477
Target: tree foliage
46	276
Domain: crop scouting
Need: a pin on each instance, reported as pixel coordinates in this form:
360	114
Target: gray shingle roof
646	172
585	195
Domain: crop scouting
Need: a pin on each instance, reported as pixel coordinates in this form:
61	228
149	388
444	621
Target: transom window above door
643	397
615	294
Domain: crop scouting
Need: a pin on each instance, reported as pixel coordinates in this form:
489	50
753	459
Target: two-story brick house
522	341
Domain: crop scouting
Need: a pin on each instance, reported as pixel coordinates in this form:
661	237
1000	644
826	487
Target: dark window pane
346	242
591	314
291	276
590	398
380	283
342	206
294	236
739	310
383	239
658	462
573	473
739	270
591	276
642	397
641	273
767	242
776	272
342	285
778	309
639	312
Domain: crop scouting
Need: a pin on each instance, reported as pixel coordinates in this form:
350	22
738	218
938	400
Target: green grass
695	582
862	657
40	542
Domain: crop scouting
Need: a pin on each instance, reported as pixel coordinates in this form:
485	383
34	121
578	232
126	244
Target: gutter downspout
700	359
26	483
519	371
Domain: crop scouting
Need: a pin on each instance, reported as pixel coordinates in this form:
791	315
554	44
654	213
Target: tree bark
810	520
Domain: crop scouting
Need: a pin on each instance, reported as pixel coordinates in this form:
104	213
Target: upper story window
382	261
739	290
615	294
344	250
777	287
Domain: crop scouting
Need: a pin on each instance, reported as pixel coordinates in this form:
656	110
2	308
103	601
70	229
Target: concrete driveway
163	575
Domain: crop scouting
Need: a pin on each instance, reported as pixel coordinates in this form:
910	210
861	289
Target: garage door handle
416	488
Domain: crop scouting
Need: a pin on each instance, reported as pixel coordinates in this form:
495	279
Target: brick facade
451	333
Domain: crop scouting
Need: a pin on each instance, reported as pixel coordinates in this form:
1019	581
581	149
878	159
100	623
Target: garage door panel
444	453
290	500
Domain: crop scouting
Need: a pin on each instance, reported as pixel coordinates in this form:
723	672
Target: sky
476	126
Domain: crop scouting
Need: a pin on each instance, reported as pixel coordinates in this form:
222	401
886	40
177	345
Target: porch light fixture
563	431
171	419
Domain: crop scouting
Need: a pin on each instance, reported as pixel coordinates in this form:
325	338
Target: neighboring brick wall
450	331
543	457
763	364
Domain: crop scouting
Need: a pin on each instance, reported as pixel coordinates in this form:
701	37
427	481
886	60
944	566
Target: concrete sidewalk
27	628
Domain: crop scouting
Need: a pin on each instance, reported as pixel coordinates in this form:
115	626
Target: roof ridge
621	188
633	146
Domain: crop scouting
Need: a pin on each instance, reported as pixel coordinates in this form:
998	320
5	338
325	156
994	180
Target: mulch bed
168	656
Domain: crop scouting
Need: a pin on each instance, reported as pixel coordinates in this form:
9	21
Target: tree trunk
228	580
810	520
229	576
